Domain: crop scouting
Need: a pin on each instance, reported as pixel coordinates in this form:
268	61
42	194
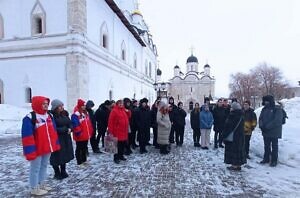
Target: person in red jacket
118	123
39	140
82	131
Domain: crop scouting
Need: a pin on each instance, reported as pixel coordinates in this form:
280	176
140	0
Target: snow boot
64	173
57	174
38	191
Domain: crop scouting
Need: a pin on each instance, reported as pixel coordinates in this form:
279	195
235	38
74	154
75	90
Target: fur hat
236	106
270	99
56	103
144	100
107	103
80	103
90	104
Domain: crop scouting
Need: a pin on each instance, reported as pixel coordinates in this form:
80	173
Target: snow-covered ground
186	172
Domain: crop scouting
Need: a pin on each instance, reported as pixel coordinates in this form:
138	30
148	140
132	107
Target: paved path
185	172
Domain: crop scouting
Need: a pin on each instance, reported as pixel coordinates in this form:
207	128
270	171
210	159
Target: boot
64	173
57	174
38	191
273	164
116	159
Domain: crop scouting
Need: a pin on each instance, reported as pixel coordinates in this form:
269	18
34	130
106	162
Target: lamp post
160	88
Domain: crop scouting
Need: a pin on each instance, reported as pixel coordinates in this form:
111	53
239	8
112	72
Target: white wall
17	16
44	79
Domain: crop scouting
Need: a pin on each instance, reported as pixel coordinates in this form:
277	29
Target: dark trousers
101	135
171	136
154	135
132	138
196	135
94	142
247	143
268	152
218	140
179	134
121	148
81	151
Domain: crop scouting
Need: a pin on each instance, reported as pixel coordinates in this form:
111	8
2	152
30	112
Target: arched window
123	51
146	68
134	61
104	36
1	92
28	95
38	20
150	69
1	27
191	105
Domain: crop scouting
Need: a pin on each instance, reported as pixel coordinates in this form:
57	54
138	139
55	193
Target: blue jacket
206	119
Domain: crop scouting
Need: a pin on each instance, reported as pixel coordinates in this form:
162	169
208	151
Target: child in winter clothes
206	122
39	139
82	131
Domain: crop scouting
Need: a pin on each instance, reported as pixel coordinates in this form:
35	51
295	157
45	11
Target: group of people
47	135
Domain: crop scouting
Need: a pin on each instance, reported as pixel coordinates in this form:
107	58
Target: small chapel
193	85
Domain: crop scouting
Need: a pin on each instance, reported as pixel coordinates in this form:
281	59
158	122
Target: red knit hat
80	103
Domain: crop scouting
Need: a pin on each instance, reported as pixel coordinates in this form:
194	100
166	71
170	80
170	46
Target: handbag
229	137
110	144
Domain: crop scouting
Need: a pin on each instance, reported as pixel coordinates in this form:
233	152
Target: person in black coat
127	105
220	116
270	123
133	124
179	122
93	140
60	158
144	123
235	149
154	122
101	116
195	124
173	111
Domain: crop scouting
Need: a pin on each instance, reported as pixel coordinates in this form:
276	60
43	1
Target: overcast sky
231	35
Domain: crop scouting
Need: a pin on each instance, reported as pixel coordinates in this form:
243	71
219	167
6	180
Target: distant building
192	86
71	49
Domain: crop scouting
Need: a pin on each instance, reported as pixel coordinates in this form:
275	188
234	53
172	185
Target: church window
150	69
110	95
146	68
178	97
28	95
104	36
1	27
191	89
38	20
135	61
123	51
1	92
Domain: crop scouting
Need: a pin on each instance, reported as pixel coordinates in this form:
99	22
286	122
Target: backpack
33	117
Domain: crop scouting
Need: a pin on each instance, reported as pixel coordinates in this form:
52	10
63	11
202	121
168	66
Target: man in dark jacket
133	124
144	124
270	123
127	105
220	116
101	116
179	122
195	124
173	113
95	146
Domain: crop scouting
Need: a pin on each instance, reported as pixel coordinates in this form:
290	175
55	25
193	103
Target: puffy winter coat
82	126
220	116
101	116
250	121
163	128
118	123
41	138
206	119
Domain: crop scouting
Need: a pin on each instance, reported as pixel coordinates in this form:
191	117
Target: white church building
70	49
192	86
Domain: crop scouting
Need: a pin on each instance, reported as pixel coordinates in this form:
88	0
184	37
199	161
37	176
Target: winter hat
236	106
56	103
37	104
89	104
80	103
270	99
107	103
144	100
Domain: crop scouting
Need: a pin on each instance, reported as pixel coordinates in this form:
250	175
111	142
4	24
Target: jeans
38	170
196	135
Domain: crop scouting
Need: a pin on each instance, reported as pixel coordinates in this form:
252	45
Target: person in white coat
164	127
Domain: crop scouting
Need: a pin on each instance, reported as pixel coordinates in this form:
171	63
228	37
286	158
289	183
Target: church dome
158	72
137	12
176	67
192	59
207	65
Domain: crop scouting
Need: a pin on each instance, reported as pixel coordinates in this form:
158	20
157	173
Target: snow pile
11	120
289	145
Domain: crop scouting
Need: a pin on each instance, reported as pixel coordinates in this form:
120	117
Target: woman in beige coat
164	127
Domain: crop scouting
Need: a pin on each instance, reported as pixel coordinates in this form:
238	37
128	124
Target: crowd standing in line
46	135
